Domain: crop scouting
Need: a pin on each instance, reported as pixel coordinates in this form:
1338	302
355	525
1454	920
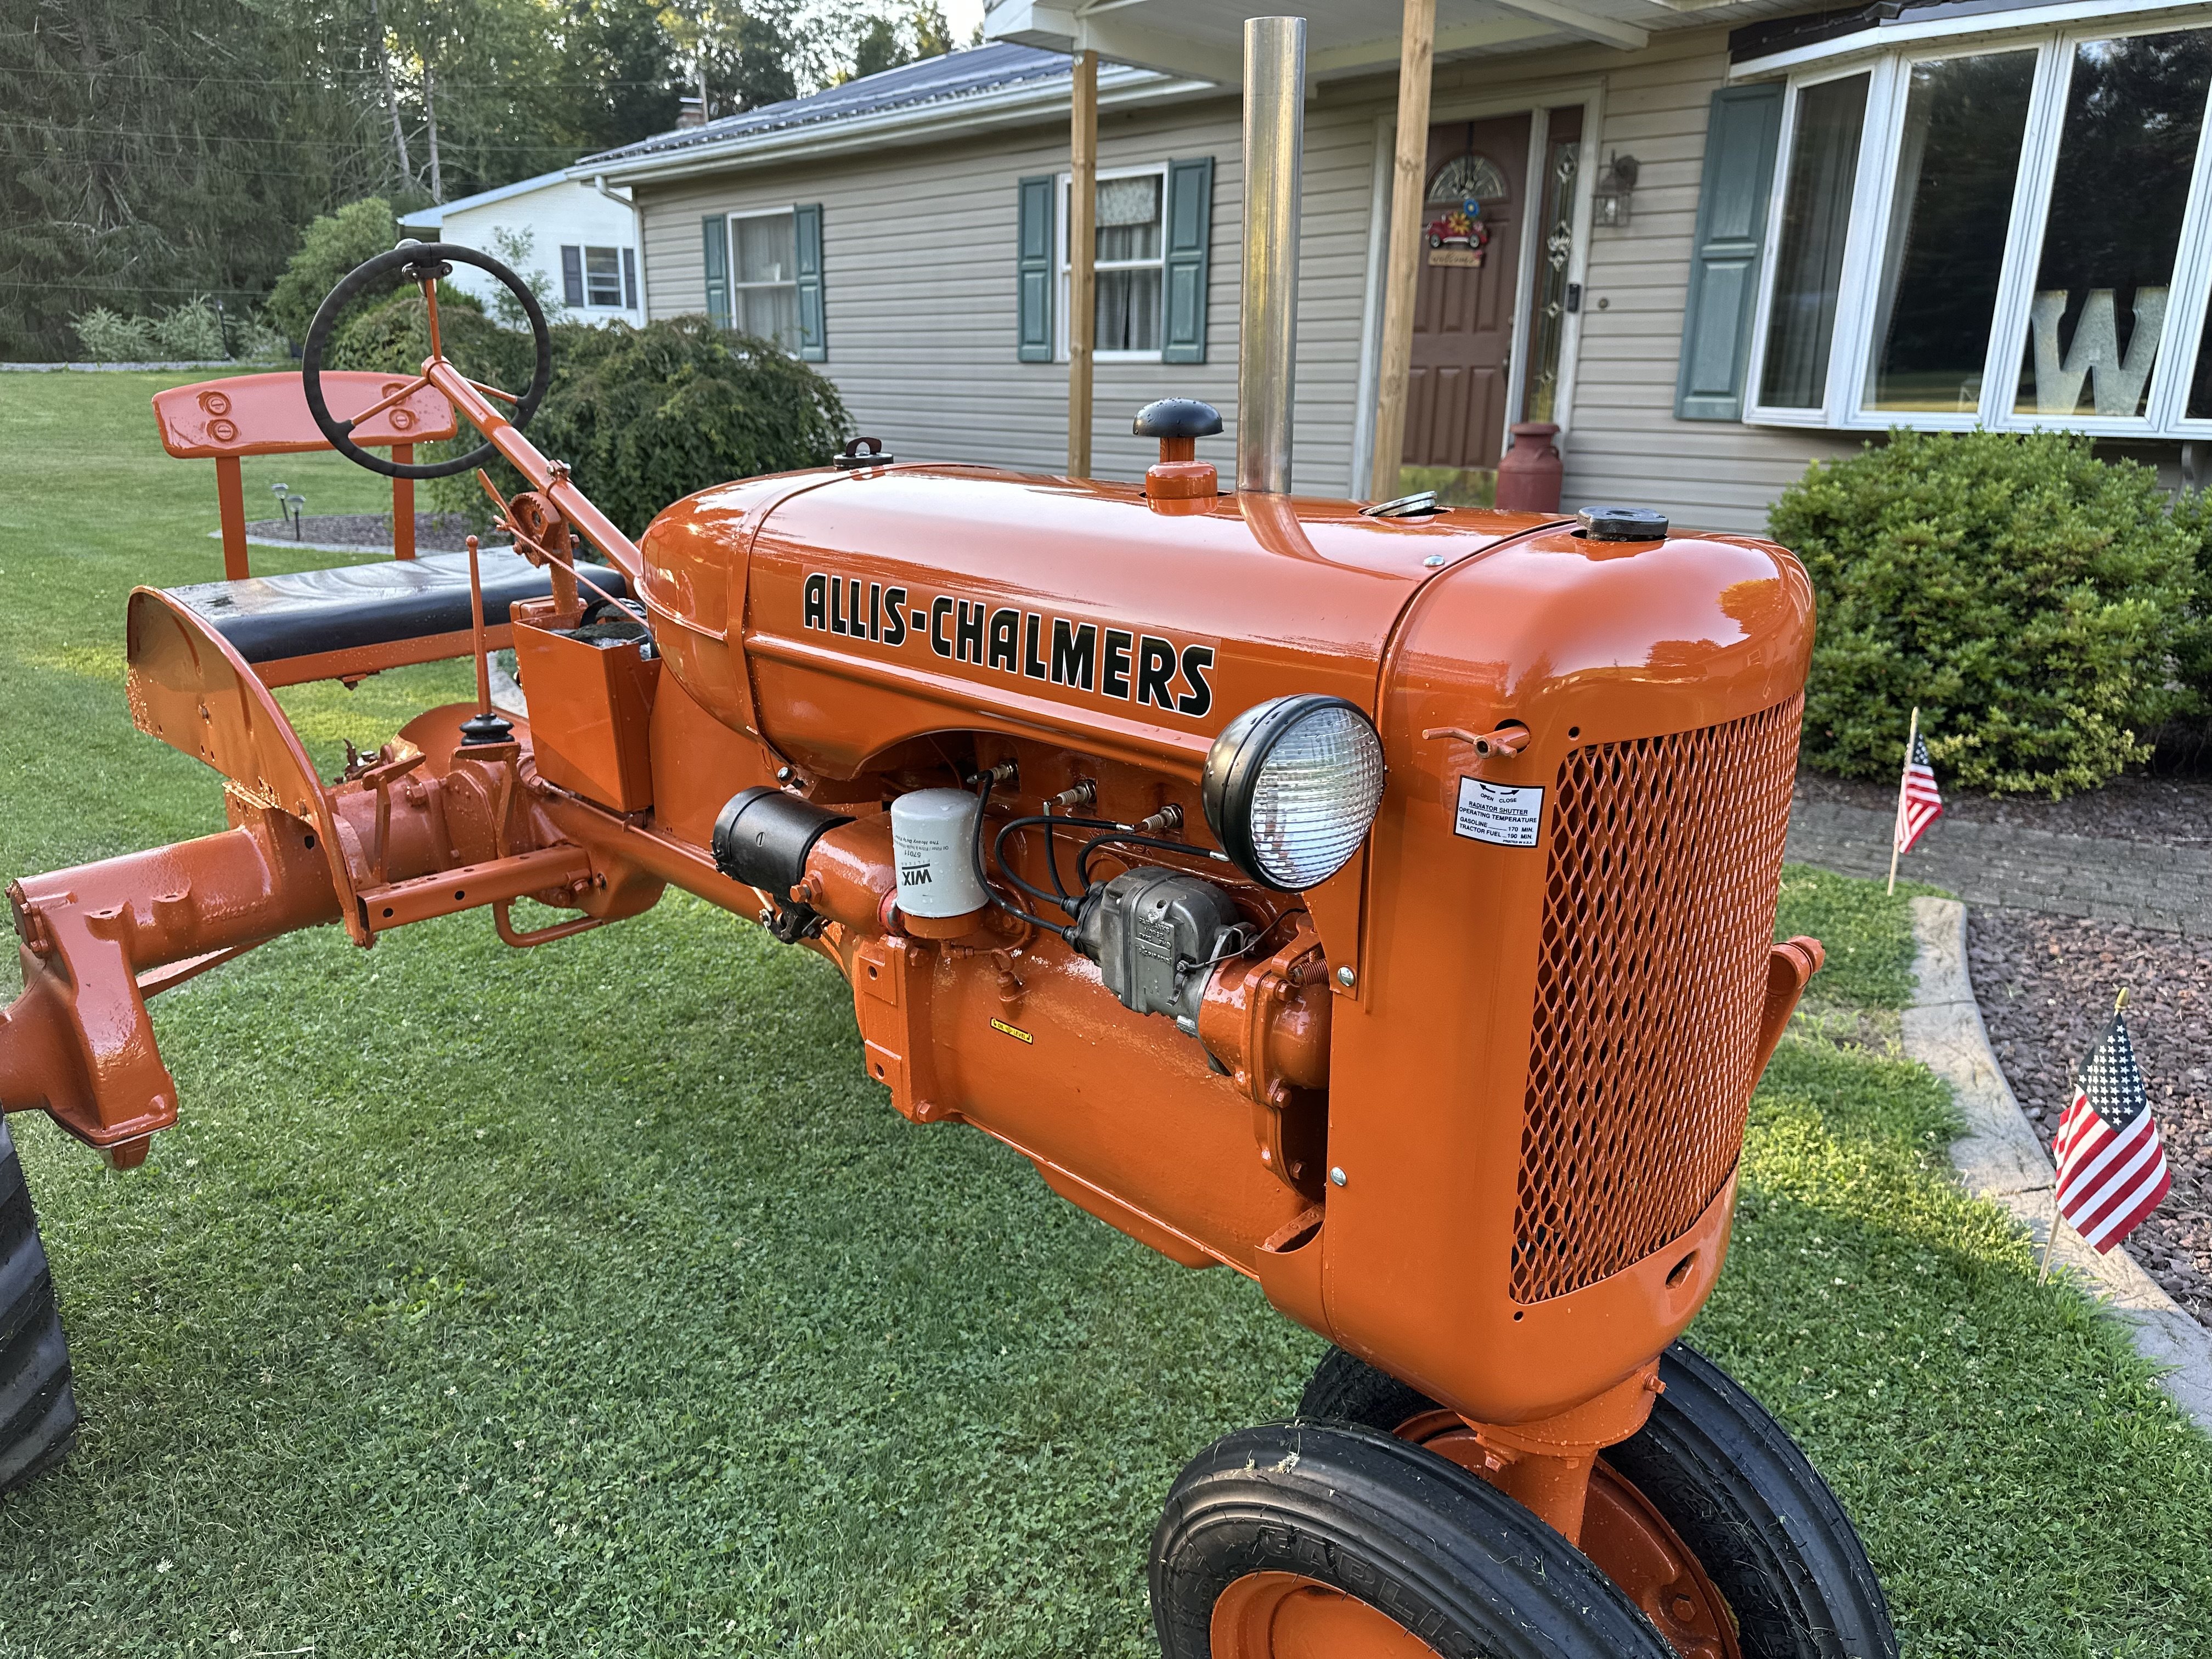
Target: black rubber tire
1454	1561
1733	1485
38	1407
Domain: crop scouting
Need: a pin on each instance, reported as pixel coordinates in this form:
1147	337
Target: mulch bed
435	533
2045	984
2172	811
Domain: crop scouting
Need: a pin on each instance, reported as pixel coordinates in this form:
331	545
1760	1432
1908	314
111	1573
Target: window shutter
1037	250
630	279
1190	243
571	273
813	342
716	227
1740	144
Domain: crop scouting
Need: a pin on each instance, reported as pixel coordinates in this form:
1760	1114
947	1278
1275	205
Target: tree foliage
152	150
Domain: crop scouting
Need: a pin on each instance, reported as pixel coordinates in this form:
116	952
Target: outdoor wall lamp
1616	184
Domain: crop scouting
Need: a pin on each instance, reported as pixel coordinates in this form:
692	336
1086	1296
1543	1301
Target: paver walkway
2140	883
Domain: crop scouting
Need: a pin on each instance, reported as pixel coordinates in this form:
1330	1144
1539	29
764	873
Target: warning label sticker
1501	814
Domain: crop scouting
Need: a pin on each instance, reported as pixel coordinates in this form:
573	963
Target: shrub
333	244
191	332
2028	596
644	416
110	338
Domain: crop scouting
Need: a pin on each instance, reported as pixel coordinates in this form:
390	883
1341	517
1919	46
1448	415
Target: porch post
1081	255
1401	270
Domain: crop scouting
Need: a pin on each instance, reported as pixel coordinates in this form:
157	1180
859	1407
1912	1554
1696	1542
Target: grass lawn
587	1300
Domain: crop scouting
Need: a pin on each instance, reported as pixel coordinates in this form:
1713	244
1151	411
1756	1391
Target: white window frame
1874	191
730	261
1155	170
584	252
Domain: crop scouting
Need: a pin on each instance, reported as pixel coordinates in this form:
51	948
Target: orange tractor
1377	902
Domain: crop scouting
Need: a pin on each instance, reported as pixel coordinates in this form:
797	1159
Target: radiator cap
1623	524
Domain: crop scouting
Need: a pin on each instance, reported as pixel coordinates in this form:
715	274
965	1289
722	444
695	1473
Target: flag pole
2057	1215
1910	738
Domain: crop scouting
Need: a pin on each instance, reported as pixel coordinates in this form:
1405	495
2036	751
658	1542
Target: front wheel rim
1287	1615
1629	1539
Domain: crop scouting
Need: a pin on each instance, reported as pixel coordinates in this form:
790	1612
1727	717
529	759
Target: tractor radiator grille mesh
1658	918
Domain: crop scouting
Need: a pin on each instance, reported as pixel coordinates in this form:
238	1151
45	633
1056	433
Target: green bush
108	337
333	244
191	332
2028	598
644	416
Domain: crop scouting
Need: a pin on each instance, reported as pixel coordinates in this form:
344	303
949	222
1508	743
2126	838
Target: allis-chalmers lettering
1125	663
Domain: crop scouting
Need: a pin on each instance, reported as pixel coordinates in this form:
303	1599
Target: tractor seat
309	612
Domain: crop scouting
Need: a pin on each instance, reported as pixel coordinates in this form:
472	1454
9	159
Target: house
578	243
1715	242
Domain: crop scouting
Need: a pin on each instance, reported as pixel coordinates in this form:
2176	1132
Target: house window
594	277
1130	250
603	276
2012	235
764	277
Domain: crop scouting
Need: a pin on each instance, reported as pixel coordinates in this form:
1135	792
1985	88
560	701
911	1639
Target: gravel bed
2045	984
2171	811
435	533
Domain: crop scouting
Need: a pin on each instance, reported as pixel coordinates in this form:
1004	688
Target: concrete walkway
2168	889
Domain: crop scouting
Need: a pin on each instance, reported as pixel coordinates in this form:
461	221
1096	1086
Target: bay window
2012	234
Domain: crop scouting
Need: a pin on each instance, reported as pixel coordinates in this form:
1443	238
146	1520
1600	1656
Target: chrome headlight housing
1291	787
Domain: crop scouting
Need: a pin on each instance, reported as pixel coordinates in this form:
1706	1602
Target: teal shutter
1036	249
813	342
1740	139
716	229
1190	234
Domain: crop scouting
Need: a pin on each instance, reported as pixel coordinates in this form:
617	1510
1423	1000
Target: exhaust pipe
1267	320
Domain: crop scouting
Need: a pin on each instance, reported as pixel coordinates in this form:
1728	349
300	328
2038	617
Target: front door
1456	394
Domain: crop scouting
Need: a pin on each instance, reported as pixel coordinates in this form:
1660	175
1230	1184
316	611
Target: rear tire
37	1407
1306	1540
1738	1495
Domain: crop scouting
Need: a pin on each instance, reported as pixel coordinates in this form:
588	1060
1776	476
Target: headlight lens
1291	786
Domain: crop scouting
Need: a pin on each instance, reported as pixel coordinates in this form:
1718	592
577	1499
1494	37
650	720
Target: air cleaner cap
1623	524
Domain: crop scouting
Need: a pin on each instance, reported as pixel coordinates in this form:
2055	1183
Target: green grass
587	1300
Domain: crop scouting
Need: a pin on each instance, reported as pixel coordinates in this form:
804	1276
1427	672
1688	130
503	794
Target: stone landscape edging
1999	1157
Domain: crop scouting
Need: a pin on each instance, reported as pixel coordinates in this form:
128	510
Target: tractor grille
1658	918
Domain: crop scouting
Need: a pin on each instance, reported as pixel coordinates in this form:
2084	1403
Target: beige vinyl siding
918	254
918	274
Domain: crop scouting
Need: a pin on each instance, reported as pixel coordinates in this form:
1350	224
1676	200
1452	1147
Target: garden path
2144	884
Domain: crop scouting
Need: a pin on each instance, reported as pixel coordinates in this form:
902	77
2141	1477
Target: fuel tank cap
1623	524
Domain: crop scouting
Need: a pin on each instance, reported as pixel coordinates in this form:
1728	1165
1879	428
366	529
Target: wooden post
1082	258
1401	270
1898	823
403	506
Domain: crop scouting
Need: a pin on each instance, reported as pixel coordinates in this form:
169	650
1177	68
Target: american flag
2111	1167
1918	805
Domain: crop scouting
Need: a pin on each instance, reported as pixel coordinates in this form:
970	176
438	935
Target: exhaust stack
1267	322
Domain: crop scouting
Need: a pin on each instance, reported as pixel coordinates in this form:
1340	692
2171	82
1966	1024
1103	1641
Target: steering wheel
425	262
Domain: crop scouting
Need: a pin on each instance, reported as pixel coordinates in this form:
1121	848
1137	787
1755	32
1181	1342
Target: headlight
1291	787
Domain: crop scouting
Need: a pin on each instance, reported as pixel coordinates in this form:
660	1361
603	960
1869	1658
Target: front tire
1731	1494
1306	1540
38	1407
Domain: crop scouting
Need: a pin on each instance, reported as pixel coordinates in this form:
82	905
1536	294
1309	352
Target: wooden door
1455	397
